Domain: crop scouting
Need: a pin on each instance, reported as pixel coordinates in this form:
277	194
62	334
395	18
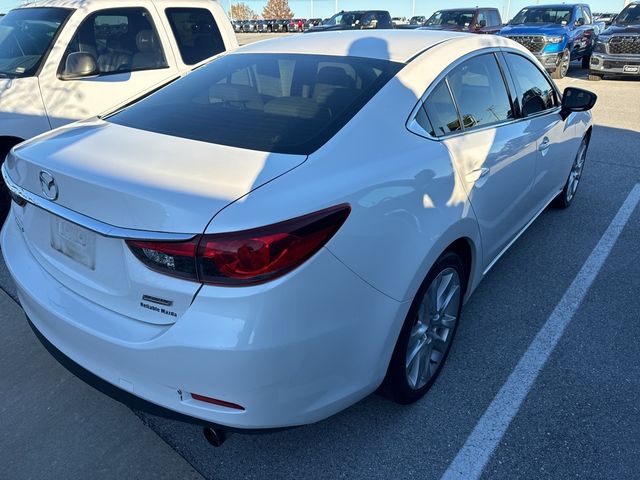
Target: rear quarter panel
408	203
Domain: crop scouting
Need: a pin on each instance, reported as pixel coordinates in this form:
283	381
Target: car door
131	53
472	113
555	139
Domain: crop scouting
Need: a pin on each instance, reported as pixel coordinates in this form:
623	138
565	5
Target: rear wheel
428	331
565	198
563	67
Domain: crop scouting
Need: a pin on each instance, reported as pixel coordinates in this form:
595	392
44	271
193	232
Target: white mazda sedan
271	238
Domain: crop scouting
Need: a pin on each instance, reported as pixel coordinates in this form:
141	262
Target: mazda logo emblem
48	185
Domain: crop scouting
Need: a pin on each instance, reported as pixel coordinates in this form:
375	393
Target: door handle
544	145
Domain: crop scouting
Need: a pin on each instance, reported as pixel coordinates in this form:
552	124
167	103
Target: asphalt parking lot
578	420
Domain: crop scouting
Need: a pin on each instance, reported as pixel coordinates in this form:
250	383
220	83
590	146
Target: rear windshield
267	102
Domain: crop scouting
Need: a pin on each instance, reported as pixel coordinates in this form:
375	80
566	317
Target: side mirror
482	24
576	100
579	22
80	65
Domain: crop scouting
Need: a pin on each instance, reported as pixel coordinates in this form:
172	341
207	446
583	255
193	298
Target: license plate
631	69
73	241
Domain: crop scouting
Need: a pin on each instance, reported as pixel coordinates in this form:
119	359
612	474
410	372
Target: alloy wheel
576	172
433	330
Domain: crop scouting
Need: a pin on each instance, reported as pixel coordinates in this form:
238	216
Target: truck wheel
586	61
563	68
595	77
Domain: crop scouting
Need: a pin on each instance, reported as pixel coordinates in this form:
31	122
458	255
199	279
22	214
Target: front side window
121	40
535	93
280	103
586	16
196	34
480	92
26	34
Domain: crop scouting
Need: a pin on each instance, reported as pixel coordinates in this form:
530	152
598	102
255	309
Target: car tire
595	77
563	68
425	336
566	196
586	61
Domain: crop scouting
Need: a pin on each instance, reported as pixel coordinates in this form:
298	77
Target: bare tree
242	11
277	9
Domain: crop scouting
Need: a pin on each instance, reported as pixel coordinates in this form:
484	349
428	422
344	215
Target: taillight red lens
247	257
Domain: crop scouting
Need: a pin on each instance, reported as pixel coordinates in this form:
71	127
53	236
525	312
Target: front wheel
428	331
563	68
565	198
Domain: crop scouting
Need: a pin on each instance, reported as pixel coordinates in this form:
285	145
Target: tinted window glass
480	92
557	15
442	111
462	18
268	102
120	39
630	15
535	93
25	36
196	33
494	19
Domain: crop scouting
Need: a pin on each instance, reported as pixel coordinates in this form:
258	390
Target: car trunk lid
137	182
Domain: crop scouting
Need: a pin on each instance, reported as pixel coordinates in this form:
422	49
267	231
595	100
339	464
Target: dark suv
473	20
356	20
617	50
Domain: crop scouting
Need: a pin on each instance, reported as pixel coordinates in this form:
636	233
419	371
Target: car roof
559	5
83	3
394	45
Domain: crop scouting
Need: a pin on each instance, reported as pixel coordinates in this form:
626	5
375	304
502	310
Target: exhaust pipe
215	436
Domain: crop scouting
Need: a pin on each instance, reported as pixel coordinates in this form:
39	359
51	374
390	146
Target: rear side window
196	33
480	92
120	39
535	93
268	102
441	112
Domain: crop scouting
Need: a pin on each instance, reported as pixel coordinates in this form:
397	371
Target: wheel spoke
430	336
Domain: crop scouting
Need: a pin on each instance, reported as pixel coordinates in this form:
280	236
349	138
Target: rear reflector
215	401
248	257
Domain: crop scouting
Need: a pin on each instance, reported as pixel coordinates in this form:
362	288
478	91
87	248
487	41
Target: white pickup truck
65	60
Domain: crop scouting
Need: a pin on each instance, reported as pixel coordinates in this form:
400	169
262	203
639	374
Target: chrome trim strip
89	223
515	239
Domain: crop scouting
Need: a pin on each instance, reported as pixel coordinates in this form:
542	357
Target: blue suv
555	34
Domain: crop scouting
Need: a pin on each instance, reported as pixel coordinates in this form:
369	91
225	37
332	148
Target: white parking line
476	451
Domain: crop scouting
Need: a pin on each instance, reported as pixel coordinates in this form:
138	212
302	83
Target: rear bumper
605	64
291	352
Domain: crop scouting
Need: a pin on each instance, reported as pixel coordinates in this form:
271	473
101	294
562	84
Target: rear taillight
244	258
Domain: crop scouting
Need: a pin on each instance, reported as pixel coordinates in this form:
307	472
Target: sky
397	8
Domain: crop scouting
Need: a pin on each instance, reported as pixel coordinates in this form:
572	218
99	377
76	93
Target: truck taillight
247	257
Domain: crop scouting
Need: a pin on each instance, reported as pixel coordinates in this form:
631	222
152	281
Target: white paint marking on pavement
477	450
